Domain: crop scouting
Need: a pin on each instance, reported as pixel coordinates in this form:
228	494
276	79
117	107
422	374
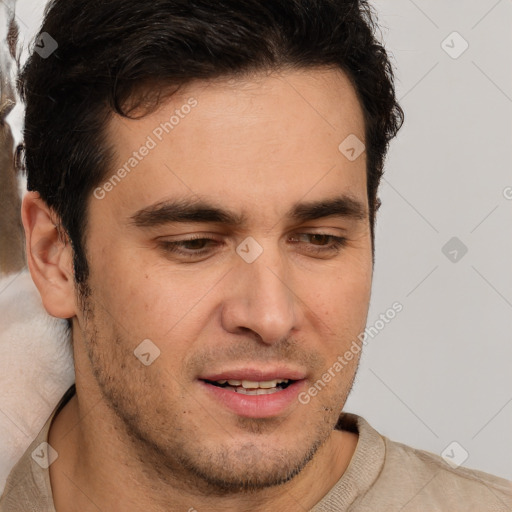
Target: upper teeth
251	384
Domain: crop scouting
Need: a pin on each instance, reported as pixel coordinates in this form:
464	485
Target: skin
139	437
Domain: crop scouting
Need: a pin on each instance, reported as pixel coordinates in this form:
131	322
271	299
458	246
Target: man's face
249	287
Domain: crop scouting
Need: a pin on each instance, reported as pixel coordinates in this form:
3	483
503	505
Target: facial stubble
163	444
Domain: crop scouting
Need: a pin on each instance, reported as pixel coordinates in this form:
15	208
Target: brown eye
320	239
195	244
319	242
190	248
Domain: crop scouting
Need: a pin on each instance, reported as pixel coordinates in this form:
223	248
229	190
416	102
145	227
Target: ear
49	257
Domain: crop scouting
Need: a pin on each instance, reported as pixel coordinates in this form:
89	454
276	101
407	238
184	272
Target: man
203	185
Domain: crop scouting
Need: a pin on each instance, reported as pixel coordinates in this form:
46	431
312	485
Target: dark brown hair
111	53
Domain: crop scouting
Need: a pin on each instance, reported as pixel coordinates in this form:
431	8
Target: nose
261	300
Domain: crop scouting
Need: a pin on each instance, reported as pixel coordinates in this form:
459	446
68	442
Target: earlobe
49	257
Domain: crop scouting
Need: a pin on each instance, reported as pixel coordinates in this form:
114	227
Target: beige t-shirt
383	476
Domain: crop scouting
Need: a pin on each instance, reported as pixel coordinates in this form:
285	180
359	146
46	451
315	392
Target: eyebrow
342	206
186	210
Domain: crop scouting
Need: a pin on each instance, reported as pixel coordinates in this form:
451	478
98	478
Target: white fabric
36	367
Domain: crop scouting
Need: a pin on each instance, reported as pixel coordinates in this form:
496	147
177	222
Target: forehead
265	142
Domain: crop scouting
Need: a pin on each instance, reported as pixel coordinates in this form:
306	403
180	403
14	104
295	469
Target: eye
319	239
319	242
190	247
199	246
194	244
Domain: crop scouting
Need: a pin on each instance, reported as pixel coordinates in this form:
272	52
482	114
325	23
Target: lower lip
256	406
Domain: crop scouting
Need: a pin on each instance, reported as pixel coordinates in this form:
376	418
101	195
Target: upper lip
256	374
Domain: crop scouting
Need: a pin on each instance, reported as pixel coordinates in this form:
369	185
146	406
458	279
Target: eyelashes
320	244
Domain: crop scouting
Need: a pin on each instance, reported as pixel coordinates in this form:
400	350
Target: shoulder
414	480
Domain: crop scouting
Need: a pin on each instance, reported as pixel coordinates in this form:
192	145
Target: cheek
149	301
343	302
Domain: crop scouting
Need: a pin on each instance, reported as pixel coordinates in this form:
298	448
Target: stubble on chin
165	446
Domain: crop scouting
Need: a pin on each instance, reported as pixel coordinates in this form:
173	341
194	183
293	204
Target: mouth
250	387
254	393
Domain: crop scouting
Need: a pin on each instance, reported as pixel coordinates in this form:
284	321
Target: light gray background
441	370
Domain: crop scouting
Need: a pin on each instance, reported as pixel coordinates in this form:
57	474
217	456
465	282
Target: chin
248	468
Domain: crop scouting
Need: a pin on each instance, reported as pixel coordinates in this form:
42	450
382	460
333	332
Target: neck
98	468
